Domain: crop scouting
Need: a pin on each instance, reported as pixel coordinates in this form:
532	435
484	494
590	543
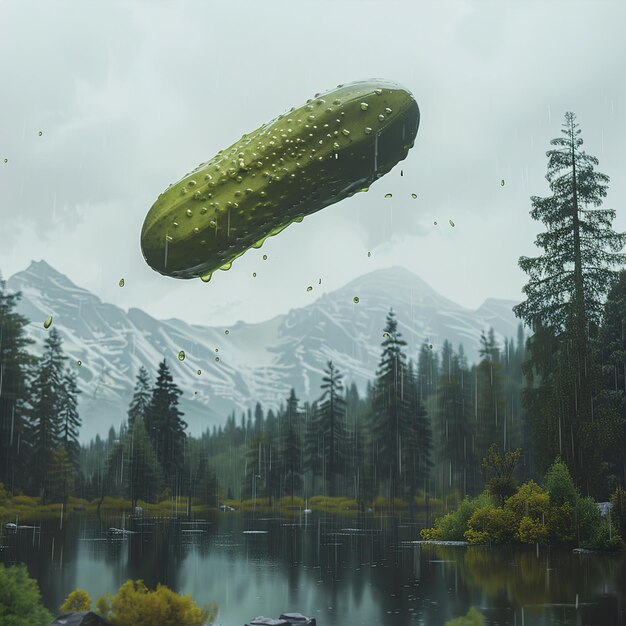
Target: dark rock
297	619
83	618
267	621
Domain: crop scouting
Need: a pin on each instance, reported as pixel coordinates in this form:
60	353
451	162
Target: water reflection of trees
343	568
535	580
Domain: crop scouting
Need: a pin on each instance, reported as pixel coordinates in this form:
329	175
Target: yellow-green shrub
496	522
561	524
135	605
531	500
453	525
472	618
77	600
531	530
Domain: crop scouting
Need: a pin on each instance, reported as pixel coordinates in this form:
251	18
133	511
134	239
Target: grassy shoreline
22	508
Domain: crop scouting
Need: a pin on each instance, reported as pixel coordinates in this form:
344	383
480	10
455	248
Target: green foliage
491	524
565	293
501	482
165	425
587	519
135	605
389	404
60	480
531	530
20	600
560	484
531	500
471	618
562	523
452	525
77	600
618	511
330	427
15	365
604	537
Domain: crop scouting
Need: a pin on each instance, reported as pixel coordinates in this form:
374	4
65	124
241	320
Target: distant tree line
424	423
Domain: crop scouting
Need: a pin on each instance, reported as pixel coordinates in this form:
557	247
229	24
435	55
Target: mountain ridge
257	362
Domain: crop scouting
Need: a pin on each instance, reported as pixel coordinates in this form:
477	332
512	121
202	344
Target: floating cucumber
304	160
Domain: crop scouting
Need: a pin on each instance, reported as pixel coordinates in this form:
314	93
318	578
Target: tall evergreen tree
48	394
331	414
291	442
417	441
565	293
490	427
15	367
166	427
141	397
143	476
391	408
454	432
69	419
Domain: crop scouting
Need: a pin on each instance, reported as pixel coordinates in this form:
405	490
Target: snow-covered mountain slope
256	361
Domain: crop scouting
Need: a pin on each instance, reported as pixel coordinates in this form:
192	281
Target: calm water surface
343	570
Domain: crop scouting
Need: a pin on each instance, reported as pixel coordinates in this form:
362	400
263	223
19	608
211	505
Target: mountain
256	361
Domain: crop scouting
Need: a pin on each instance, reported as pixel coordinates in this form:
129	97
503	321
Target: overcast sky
130	96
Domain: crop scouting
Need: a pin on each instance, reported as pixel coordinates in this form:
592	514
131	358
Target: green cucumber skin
297	164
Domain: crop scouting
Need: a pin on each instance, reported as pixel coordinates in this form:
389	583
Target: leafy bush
135	605
531	500
587	519
560	484
497	523
618	511
20	600
604	537
77	600
452	526
531	530
561	523
501	483
25	501
472	618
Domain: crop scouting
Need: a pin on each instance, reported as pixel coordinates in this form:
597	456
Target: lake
342	570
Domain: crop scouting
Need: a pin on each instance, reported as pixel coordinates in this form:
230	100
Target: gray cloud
131	96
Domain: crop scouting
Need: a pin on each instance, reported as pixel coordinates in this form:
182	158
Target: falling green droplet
217	349
253	274
369	254
227	332
502	183
181	355
320	281
6	160
388	195
48	322
435	223
121	282
309	288
430	346
386	335
198	372
195	393
217	359
451	223
401	172
40	133
414	196
265	257
355	299
79	363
